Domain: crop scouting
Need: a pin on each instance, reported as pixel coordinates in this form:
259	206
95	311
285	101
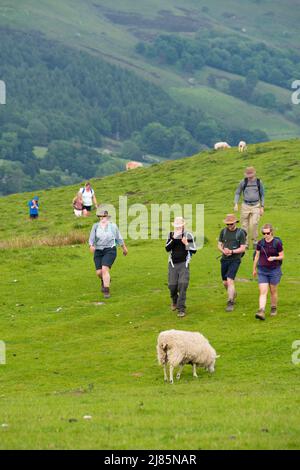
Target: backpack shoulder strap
223	232
258	186
245	184
239	233
276	241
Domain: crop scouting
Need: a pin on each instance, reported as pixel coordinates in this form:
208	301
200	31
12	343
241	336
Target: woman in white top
88	198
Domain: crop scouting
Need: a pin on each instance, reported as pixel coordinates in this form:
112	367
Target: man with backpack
253	203
267	265
88	198
232	244
181	246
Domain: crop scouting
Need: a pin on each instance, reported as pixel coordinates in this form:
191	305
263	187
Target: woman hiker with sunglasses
267	265
103	241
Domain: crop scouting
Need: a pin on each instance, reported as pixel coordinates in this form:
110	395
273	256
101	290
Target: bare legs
104	274
230	287
263	294
274	295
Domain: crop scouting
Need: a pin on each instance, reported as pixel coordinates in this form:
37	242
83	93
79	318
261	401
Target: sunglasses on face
266	233
229	225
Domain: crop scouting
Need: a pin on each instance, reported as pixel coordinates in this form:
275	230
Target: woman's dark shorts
87	208
229	268
269	276
105	257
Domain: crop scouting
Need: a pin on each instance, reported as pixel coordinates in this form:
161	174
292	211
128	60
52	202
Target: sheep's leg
194	371
165	373
179	373
171	374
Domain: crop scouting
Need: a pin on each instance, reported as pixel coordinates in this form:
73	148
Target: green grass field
68	357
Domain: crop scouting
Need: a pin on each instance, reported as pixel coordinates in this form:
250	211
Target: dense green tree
131	150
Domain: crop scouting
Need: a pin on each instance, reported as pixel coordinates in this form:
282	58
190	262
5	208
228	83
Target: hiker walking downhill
78	204
103	241
88	198
232	244
181	246
267	265
253	204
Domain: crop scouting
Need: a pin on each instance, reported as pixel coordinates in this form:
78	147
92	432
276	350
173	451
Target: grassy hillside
68	356
234	111
112	29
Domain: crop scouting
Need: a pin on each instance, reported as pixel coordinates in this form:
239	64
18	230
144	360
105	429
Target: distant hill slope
210	178
112	29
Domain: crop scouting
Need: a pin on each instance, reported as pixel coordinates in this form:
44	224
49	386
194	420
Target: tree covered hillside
58	97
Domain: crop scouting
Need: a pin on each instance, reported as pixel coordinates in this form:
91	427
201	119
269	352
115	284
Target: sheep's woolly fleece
181	347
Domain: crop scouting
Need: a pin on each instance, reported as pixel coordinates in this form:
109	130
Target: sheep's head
211	367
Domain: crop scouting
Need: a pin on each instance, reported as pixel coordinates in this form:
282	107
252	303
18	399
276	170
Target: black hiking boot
181	314
273	311
106	292
230	306
260	315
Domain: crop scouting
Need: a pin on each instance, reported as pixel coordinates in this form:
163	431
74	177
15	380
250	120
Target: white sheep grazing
242	146
176	348
221	145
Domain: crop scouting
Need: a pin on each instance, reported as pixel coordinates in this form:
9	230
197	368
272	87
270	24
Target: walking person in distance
252	207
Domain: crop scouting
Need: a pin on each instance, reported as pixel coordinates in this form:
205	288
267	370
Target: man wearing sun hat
181	246
232	244
253	203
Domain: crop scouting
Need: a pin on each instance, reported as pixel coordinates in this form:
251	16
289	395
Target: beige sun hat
102	211
250	171
178	222
230	219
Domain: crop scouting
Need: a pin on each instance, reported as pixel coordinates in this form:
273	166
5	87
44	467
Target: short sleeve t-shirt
87	196
267	250
232	240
